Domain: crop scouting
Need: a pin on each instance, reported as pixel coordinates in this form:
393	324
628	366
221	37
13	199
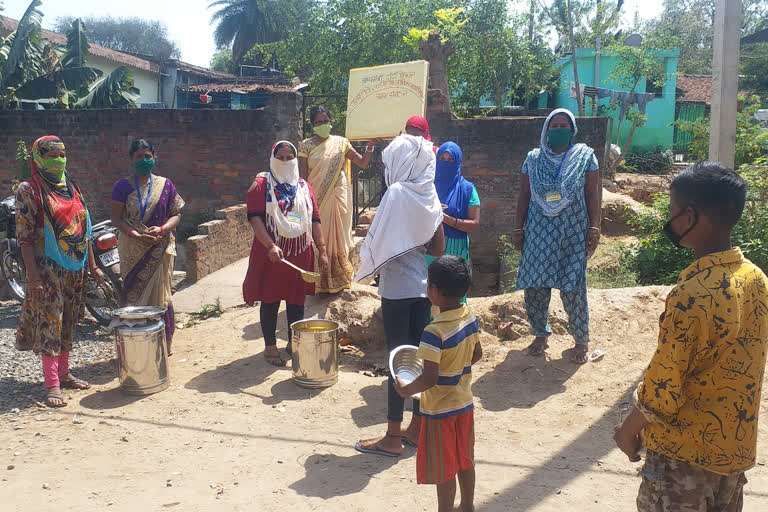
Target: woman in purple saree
147	221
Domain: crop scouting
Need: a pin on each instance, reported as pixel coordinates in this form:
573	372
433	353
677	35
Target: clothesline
621	98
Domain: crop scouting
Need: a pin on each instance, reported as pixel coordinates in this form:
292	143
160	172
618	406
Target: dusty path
234	434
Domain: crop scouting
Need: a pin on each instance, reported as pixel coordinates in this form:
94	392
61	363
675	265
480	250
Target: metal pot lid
138	312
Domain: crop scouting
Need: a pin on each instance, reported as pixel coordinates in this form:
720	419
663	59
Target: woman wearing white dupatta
407	226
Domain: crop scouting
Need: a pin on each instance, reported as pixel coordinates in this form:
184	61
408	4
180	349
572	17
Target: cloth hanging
410	211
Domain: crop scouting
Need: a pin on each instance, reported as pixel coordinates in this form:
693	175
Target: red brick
499	173
478	172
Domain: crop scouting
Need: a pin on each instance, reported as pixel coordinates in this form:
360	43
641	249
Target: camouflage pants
674	486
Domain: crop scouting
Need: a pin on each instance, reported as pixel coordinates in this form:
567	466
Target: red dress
272	282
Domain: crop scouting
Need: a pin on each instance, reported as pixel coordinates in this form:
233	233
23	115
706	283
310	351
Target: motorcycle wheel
12	268
101	300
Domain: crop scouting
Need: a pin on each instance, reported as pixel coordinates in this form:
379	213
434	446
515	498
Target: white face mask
285	172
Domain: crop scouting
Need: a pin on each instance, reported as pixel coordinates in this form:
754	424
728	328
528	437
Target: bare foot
538	347
579	355
388	443
272	355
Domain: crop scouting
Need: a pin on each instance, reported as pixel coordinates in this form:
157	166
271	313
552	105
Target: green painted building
658	130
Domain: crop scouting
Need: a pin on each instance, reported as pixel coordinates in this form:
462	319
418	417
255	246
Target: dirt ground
234	434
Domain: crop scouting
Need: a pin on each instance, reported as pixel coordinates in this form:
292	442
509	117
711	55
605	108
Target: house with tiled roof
157	81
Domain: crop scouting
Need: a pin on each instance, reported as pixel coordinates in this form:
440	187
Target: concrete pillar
725	81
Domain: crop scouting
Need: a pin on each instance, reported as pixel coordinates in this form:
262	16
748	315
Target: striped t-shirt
450	342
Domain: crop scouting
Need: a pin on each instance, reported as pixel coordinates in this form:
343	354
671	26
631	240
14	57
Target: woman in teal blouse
461	204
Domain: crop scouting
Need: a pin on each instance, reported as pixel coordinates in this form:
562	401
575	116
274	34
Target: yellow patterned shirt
701	392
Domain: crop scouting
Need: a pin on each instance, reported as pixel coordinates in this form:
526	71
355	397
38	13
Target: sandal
74	383
376	450
580	354
55	396
289	349
538	347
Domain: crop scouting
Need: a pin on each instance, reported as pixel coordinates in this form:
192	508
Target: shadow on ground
235	377
328	476
533	380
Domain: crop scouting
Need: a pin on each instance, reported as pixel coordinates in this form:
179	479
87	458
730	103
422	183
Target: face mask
285	171
559	137
144	167
55	166
674	237
322	131
445	168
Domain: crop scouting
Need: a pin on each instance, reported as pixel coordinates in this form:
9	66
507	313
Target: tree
245	23
33	69
132	35
754	63
222	61
633	65
436	46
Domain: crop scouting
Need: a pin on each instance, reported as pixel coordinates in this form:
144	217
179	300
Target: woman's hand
142	237
35	287
97	275
372	144
274	254
155	231
323	262
593	239
518	239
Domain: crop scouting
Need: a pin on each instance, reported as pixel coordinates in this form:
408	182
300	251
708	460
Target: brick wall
211	155
219	243
494	150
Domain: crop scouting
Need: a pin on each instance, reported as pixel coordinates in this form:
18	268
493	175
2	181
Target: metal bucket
315	353
142	357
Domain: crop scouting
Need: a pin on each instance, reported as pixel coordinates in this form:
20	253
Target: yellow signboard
382	98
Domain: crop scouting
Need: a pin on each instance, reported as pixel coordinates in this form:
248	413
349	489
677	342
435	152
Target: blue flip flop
408	442
376	451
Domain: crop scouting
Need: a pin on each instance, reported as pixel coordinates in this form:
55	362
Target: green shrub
656	261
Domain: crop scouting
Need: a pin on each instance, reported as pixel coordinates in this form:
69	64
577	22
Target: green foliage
222	61
242	24
21	53
751	139
22	157
112	91
133	35
206	312
448	26
754	63
657	261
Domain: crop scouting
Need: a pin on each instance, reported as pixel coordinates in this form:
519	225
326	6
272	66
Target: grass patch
606	269
206	312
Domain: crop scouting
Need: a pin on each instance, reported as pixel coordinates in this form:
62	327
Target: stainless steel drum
315	353
142	357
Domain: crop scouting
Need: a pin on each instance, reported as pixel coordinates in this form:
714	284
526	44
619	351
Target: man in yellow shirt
696	409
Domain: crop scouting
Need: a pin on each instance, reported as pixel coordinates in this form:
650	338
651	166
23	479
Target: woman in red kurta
286	221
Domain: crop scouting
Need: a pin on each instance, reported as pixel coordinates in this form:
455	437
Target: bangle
518	230
162	230
595	228
369	150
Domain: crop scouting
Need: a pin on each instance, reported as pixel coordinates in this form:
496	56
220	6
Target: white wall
145	81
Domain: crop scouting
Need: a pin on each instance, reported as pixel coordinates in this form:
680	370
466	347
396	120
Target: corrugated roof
197	70
695	88
113	55
237	87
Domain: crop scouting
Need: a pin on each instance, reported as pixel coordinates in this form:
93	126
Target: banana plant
111	91
21	53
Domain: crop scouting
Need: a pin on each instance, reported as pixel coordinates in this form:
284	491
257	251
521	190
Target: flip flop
408	442
57	396
375	450
75	383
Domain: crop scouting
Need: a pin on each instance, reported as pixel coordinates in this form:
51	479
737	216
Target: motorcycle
11	262
100	300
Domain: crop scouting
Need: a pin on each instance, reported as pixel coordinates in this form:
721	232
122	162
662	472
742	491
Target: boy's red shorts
446	446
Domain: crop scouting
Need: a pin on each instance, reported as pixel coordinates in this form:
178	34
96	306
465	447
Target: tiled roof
113	55
237	87
695	88
197	70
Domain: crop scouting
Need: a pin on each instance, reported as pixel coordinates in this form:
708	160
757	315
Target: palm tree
245	23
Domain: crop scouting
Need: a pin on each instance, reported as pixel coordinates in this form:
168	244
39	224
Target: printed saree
329	177
148	269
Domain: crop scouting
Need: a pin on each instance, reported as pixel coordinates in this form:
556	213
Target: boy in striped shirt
449	347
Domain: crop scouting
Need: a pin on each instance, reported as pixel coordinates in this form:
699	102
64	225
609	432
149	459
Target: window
650	87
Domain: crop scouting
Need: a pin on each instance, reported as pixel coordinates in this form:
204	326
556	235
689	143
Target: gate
690	112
